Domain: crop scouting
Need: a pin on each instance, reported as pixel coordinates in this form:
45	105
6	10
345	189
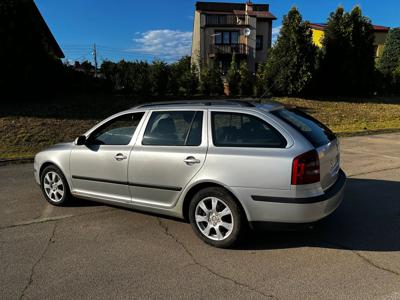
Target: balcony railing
213	20
216	49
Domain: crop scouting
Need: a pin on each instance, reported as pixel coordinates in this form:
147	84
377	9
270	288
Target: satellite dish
247	31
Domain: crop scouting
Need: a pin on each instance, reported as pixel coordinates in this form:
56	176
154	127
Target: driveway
91	250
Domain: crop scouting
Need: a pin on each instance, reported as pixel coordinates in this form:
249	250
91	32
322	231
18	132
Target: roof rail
242	103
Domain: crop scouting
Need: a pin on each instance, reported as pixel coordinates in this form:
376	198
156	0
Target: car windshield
316	132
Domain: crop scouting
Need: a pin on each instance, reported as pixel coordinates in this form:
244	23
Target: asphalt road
94	251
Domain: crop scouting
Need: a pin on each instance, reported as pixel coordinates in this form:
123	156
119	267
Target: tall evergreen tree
390	59
291	63
347	65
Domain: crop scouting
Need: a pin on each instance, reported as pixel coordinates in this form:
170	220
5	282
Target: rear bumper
297	210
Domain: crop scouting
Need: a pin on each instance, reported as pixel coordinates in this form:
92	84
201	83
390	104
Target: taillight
305	168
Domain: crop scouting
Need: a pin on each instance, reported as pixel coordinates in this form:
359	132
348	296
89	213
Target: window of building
216	19
259	42
234	37
174	128
243	130
226	37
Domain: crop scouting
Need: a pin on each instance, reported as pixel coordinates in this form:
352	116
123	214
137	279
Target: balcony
228	49
223	20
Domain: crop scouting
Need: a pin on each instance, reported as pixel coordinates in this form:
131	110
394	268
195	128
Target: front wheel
54	186
216	217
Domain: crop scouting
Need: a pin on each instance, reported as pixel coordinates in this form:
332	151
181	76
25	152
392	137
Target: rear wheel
216	217
55	186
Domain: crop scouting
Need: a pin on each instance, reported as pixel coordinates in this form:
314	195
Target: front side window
243	130
174	128
118	131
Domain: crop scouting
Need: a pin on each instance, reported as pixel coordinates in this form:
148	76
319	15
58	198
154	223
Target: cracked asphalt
90	250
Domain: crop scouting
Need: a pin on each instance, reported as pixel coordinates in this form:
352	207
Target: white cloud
163	43
275	33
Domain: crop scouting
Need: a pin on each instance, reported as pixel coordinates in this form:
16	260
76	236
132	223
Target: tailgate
329	160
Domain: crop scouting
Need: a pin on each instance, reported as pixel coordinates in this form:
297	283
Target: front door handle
120	156
190	160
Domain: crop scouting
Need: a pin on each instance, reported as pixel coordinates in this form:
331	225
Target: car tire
216	217
55	186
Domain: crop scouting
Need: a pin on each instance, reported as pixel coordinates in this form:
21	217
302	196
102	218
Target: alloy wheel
214	218
53	186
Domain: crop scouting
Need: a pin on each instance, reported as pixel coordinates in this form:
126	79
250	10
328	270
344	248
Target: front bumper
297	210
36	172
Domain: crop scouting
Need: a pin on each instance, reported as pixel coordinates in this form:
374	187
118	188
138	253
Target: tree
184	77
389	63
210	80
390	59
347	61
291	64
260	87
396	81
233	77
159	77
246	80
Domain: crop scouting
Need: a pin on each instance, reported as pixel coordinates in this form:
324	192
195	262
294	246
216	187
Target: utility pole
95	59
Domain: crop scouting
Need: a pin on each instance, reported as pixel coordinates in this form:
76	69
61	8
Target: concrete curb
15	161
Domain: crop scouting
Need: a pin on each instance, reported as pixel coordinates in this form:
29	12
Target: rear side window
316	132
174	128
243	130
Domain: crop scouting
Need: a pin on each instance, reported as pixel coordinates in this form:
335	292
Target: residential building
221	29
40	24
380	33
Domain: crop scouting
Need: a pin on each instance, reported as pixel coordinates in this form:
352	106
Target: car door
99	168
170	150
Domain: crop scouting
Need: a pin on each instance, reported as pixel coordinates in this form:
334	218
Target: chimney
249	6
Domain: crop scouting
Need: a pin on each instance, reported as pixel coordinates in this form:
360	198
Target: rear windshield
316	132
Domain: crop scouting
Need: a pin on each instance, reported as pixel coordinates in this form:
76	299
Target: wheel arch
202	185
52	163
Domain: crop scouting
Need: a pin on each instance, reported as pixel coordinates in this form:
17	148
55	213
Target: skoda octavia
221	165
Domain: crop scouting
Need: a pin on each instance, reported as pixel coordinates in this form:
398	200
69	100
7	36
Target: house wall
380	38
196	41
264	29
317	36
203	38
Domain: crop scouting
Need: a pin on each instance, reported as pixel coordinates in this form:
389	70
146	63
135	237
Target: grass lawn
27	128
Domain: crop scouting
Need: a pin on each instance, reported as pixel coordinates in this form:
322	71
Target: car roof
226	103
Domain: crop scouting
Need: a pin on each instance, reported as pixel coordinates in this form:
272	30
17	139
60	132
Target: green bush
211	81
233	77
246	80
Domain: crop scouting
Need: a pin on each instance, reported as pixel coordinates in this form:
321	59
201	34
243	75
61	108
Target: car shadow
368	219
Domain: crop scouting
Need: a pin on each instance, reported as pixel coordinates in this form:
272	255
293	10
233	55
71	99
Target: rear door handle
120	156
190	160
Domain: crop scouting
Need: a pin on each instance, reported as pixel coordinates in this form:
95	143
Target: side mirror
81	140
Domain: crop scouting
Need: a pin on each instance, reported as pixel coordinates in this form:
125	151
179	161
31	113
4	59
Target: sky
162	29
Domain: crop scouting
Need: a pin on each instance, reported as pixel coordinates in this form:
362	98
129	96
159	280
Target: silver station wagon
222	165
